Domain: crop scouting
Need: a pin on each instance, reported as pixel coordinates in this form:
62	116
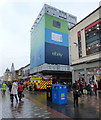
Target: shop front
90	73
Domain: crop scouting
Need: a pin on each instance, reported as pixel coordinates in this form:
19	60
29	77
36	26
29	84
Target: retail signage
56	54
91	25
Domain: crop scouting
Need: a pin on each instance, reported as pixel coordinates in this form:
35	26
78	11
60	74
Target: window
56	24
93	37
79	44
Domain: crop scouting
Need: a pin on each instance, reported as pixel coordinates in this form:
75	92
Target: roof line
86	17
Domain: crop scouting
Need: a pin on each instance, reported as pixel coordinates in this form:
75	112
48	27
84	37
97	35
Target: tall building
12	72
85	39
49	40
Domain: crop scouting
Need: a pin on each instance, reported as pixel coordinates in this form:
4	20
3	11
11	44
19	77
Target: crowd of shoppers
16	90
79	88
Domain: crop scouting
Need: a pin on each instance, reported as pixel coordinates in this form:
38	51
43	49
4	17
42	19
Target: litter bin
59	94
49	92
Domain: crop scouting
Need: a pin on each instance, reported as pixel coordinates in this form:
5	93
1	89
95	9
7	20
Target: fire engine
41	82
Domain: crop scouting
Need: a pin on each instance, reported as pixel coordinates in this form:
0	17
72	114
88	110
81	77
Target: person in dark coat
10	88
75	88
81	88
88	88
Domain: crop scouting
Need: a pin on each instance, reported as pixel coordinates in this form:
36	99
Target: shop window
56	24
93	37
79	44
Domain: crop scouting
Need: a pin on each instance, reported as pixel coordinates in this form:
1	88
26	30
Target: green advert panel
38	35
56	24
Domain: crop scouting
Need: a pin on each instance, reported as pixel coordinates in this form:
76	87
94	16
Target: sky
16	20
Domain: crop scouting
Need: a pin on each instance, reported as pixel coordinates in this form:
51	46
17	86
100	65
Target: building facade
85	39
7	75
26	71
12	72
49	39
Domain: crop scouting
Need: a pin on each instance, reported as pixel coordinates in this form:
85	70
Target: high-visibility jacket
4	86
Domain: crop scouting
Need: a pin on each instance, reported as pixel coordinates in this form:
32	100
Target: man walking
75	89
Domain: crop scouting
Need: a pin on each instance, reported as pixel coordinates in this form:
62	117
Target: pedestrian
88	88
14	92
81	88
68	87
4	87
92	88
95	88
20	90
10	88
64	83
57	82
17	82
76	88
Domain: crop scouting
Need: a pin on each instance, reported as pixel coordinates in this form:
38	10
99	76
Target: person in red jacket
95	89
20	90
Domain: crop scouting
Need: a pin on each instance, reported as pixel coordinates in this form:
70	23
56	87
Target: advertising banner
55	37
54	23
37	58
56	54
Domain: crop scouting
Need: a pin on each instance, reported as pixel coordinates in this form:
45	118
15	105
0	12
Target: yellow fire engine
41	82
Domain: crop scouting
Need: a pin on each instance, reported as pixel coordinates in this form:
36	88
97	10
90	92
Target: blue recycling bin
59	94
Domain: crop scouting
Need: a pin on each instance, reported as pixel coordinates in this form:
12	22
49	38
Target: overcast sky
16	19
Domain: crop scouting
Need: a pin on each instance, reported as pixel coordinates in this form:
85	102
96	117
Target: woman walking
14	92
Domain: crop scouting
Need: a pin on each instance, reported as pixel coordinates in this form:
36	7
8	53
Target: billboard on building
55	37
56	54
38	57
49	42
37	44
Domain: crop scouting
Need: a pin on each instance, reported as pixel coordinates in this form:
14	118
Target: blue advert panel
56	54
37	57
55	37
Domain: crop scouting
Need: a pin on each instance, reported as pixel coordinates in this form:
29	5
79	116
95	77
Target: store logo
57	54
